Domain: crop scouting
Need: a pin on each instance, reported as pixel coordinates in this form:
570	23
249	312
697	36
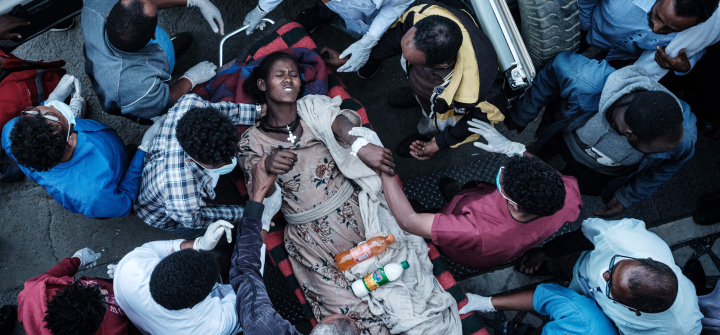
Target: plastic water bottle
380	277
363	251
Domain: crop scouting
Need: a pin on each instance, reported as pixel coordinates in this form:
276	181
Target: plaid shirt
172	189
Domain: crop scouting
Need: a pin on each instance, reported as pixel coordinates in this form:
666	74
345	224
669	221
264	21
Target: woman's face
283	82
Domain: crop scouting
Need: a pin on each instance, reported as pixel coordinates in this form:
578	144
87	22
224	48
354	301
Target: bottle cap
390	238
405	264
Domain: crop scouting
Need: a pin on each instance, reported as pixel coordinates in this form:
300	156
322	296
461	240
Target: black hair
654	288
76	310
439	38
207	136
36	143
535	186
701	10
654	114
262	71
184	279
128	28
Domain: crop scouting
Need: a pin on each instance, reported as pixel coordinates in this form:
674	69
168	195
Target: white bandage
359	143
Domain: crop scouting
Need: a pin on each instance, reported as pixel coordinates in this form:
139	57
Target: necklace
289	128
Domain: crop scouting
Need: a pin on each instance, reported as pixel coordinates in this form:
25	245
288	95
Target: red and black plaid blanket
290	37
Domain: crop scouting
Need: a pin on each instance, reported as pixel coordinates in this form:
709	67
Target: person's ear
517	208
261	85
441	65
154	36
606	276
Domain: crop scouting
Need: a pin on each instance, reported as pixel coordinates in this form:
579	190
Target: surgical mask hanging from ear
64	109
225	169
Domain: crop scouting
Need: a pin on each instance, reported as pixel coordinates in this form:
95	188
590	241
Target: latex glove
87	257
77	102
111	270
200	73
496	142
150	133
213	234
272	206
254	19
63	88
360	51
211	14
262	259
477	303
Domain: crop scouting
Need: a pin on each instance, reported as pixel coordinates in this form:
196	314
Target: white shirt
361	16
628	237
694	40
214	315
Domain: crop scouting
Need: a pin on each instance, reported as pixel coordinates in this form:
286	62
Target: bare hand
679	64
332	57
612	208
424	150
281	161
262	181
8	23
532	260
377	158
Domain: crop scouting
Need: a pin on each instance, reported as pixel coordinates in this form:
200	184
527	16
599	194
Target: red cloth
32	300
19	88
477	222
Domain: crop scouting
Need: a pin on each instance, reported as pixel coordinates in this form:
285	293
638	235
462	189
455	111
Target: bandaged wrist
357	145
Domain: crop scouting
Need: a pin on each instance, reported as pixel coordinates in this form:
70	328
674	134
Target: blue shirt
623	28
97	181
570	312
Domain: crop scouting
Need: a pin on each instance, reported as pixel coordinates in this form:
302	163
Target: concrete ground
36	232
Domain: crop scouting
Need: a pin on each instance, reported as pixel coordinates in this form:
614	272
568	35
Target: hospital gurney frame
222	42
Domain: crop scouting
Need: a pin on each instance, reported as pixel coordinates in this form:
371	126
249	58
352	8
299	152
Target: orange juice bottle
363	251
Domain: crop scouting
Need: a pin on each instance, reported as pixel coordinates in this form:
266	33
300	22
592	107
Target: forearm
180	88
521	301
164	4
211	213
414	223
341	128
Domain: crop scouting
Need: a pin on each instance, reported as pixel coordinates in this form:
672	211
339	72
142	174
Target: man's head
337	324
433	42
39	140
535	186
184	279
671	16
207	136
650	120
131	24
643	284
76	310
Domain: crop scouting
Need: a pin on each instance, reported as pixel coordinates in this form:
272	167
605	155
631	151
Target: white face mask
225	169
64	109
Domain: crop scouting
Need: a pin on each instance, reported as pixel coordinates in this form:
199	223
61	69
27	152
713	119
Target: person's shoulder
100	7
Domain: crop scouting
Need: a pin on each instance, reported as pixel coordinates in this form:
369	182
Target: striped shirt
172	189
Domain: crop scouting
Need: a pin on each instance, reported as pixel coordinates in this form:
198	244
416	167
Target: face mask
64	109
225	169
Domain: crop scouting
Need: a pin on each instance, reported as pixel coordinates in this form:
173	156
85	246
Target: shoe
694	271
181	44
369	70
8	317
314	17
402	97
403	149
64	26
10	173
449	188
708	213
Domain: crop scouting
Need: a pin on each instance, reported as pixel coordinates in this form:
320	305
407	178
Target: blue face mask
499	187
225	169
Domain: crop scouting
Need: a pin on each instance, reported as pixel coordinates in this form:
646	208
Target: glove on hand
212	235
111	270
360	51
272	206
211	14
150	133
63	88
496	142
477	303
77	102
87	257
200	73
254	19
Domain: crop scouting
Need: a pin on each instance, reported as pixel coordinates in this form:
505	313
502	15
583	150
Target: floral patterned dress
312	246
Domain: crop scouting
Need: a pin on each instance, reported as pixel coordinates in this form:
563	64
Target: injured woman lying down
332	201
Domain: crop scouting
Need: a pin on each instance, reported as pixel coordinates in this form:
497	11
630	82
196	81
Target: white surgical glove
477	303
87	257
111	270
360	51
272	206
200	73
496	142
150	133
211	14
254	19
262	259
63	88
77	102
213	234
